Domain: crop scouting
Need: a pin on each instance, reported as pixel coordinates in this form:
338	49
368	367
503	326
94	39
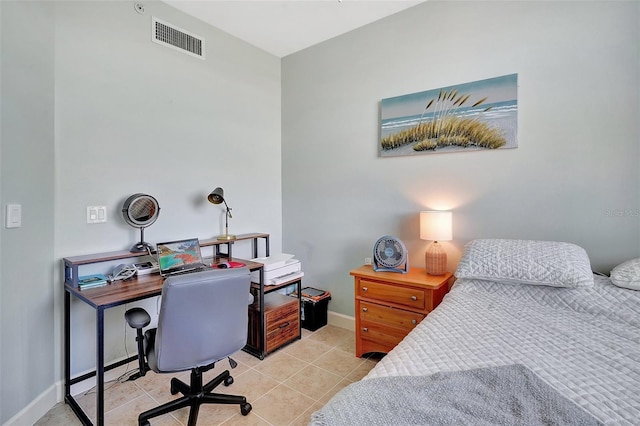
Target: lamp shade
436	225
216	196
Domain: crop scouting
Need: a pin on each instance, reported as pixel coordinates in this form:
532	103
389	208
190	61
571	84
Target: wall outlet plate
96	214
13	216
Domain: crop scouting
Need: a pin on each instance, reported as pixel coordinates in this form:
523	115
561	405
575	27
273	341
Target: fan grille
390	252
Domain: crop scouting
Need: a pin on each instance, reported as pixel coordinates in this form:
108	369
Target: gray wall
574	176
92	112
27	287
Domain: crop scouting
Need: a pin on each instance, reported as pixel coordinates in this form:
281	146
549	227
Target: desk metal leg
100	366
263	332
67	344
69	399
254	246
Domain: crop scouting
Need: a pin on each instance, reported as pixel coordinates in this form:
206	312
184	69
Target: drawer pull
365	329
414	298
365	309
364	289
414	321
285	325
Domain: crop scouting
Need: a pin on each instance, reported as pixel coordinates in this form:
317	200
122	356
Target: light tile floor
284	388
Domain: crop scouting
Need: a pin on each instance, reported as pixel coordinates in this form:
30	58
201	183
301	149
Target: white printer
278	269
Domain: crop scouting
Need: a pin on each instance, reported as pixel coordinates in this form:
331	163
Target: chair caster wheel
228	382
144	423
245	408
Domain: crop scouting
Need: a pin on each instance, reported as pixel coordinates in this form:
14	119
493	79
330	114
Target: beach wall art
481	115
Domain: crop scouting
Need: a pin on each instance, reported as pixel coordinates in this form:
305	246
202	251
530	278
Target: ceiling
285	27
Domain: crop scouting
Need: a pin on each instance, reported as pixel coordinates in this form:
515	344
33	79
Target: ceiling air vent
176	38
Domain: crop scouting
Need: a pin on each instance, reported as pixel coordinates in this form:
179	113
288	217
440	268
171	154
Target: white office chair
203	319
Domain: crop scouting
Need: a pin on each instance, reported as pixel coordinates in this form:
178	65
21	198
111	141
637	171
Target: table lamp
217	197
435	226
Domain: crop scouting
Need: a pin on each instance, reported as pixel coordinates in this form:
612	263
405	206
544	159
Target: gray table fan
390	255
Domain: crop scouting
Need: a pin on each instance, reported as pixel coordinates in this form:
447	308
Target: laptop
178	257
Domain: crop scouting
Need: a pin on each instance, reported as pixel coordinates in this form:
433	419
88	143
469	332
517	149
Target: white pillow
627	274
549	263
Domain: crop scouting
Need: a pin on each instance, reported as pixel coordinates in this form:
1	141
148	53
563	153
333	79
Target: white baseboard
341	320
55	393
37	408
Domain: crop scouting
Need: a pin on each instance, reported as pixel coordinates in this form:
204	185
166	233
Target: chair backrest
203	318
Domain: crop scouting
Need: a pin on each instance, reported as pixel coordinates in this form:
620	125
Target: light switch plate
13	216
96	214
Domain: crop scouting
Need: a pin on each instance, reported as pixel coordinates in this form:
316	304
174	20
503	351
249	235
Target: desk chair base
195	395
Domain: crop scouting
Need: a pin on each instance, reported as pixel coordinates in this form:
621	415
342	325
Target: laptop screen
179	255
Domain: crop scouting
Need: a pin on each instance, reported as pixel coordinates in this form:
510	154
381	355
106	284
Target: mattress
584	342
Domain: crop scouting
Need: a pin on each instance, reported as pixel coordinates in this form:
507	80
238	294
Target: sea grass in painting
471	116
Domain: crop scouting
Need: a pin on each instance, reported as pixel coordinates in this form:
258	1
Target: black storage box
313	312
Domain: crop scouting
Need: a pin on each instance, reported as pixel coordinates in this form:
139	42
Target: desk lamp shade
435	226
217	197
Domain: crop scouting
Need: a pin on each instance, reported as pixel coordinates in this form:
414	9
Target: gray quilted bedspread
507	395
583	342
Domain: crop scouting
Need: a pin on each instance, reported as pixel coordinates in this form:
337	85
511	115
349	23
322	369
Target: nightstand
390	304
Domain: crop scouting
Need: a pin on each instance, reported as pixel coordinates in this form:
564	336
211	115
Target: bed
527	335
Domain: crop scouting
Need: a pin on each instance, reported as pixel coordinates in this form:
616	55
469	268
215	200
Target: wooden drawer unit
390	304
282	322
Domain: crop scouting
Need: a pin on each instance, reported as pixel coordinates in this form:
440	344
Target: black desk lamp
217	197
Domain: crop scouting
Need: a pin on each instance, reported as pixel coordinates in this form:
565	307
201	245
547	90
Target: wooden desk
102	298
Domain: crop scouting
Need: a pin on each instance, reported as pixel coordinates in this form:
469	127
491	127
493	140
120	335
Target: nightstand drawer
410	297
381	334
404	320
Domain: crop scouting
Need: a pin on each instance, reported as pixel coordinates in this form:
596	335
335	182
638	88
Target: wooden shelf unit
71	264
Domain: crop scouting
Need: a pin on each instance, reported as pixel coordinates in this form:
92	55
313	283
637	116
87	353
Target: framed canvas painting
481	115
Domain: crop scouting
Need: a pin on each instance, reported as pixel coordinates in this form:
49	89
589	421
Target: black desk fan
390	255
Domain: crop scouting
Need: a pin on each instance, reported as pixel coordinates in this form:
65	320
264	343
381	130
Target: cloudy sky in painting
497	89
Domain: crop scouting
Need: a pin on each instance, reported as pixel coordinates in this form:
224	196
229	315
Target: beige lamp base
435	259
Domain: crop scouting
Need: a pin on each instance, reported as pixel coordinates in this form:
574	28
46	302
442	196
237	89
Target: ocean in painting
500	113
